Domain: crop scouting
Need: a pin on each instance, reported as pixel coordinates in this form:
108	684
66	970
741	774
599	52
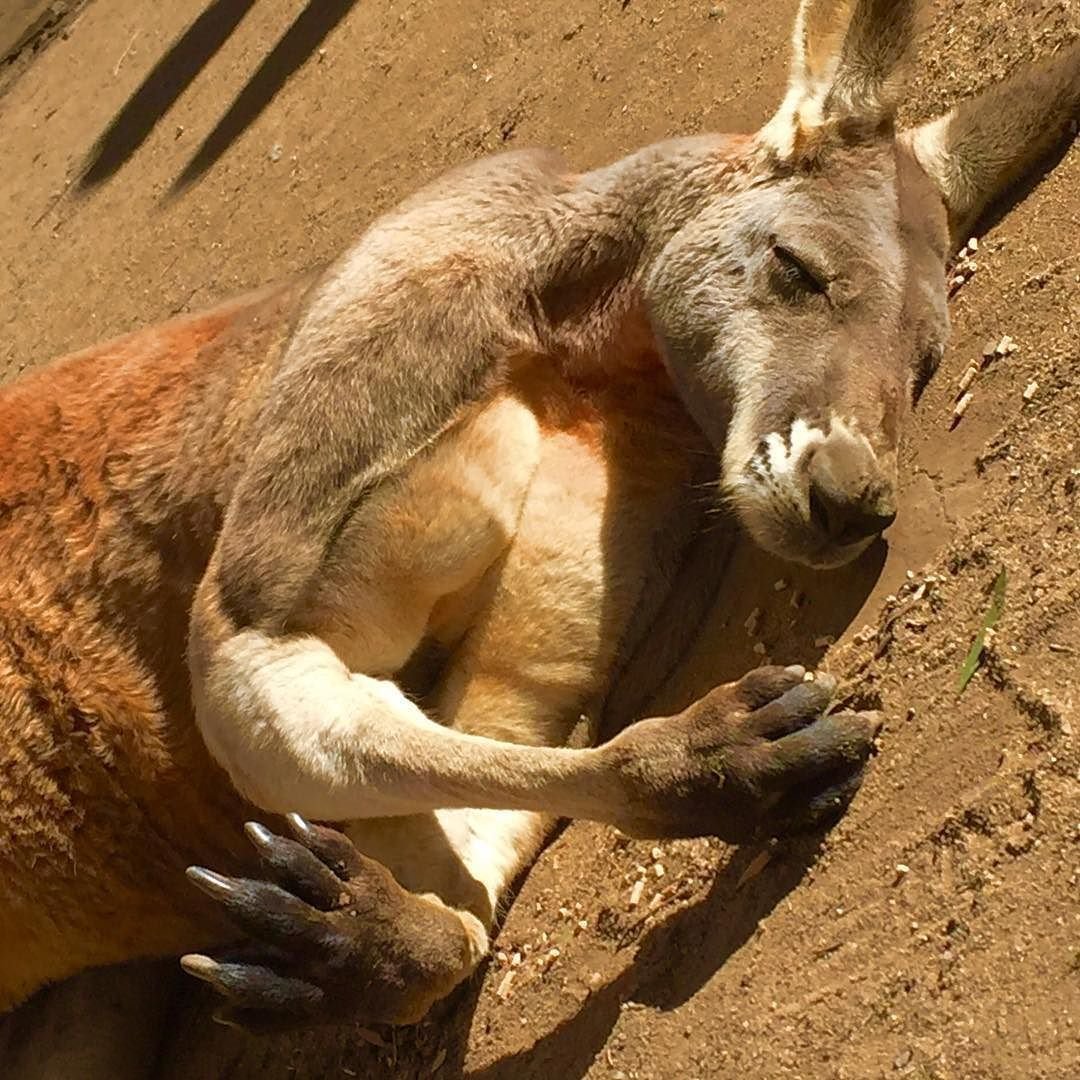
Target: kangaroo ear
846	72
979	150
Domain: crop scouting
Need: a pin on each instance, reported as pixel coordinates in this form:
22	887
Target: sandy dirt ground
936	931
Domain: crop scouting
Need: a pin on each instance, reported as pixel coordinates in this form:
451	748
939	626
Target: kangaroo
363	548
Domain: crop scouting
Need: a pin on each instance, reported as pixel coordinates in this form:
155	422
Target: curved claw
795	709
200	966
264	910
334	848
837	744
258	833
213	884
253	986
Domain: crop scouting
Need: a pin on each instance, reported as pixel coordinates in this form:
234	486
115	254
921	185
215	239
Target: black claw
251	986
299	825
837	743
297	868
801	705
334	848
266	911
258	833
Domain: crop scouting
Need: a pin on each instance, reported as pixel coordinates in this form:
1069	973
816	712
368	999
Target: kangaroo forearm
430	767
297	730
411	327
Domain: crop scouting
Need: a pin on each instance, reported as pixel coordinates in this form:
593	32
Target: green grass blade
997	606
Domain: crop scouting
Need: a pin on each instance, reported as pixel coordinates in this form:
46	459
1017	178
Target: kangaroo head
802	307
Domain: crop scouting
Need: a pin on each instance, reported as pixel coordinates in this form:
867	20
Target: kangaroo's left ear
846	73
979	150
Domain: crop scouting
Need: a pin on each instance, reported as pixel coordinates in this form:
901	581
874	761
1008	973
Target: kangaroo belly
610	472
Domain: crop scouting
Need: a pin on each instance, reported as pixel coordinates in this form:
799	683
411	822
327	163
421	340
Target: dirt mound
936	932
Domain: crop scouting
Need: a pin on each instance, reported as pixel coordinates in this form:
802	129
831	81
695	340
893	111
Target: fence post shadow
174	73
161	89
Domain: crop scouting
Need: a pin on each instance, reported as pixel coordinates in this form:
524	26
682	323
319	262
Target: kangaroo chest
518	546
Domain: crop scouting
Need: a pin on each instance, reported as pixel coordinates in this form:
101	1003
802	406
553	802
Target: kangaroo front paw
758	757
331	936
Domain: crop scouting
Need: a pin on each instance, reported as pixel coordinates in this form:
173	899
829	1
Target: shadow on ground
179	68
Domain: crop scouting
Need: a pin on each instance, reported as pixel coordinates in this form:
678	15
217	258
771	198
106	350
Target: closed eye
793	276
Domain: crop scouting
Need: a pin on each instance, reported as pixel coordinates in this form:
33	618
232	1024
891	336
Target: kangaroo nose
850	498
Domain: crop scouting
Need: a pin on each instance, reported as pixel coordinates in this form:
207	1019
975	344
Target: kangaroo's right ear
847	66
979	150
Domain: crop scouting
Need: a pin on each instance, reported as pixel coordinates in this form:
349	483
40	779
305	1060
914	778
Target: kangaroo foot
332	936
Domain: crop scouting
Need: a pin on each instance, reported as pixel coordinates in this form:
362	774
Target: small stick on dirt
960	408
124	54
828	950
753	869
503	989
974	656
970	374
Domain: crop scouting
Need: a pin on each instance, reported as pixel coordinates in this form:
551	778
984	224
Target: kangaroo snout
851	498
818	496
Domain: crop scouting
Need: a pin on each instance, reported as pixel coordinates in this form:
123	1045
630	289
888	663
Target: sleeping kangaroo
365	547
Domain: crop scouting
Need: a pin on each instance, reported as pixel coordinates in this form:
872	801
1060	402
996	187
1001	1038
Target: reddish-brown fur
110	499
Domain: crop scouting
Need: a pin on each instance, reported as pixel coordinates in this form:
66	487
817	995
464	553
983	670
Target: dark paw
759	757
330	936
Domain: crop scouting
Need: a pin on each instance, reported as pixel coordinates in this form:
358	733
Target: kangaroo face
801	316
850	301
801	309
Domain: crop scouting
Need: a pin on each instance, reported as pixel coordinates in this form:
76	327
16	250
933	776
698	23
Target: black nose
851	497
846	520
